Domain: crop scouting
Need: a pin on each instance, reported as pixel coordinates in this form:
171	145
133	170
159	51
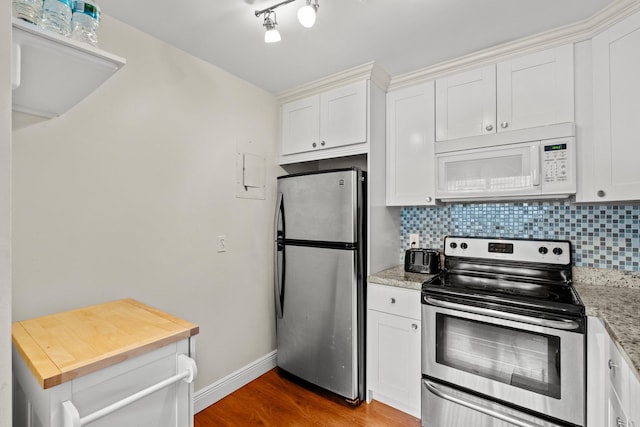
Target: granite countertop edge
610	295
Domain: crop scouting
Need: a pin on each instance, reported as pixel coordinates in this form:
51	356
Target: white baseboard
210	394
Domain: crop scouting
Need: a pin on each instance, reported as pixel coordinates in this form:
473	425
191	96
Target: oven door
536	367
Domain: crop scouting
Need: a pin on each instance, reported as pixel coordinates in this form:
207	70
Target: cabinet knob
489	128
393	300
414	326
429	199
601	193
314	145
504	125
322	143
612	365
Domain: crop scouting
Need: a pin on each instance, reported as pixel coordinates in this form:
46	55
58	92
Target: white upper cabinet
410	146
535	90
466	104
300	125
343	116
616	118
331	119
520	93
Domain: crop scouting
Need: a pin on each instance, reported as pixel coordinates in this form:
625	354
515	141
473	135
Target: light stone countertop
610	295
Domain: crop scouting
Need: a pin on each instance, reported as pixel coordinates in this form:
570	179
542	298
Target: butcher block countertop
60	347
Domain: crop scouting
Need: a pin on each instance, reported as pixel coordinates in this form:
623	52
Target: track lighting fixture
271	35
306	16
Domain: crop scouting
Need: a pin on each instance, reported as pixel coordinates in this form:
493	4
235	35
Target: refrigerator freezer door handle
278	267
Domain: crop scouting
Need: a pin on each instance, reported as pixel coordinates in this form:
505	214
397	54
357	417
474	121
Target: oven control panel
525	250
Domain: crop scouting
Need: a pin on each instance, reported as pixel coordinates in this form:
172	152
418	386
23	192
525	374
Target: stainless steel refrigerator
319	284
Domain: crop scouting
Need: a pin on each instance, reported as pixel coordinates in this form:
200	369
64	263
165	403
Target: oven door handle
479	408
568	325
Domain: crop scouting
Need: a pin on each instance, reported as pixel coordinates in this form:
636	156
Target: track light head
271	35
307	14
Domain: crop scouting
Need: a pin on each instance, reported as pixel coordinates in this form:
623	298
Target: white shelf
52	73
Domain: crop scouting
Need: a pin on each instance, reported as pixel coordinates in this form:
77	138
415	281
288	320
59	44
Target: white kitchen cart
115	364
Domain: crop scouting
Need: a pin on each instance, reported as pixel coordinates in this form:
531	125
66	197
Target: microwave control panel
556	162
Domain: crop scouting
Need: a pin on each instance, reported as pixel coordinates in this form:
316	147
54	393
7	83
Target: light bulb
307	16
272	36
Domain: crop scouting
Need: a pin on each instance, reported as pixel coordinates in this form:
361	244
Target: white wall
125	195
5	211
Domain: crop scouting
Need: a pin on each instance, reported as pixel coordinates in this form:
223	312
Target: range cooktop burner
507	275
534	293
505	286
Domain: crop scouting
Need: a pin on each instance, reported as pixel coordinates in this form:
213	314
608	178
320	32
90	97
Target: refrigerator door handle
279	217
279	279
278	267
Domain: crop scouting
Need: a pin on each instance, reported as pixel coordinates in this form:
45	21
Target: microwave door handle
535	165
493	413
566	325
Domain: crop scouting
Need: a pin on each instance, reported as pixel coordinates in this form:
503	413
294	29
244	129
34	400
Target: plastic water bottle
56	16
28	10
85	21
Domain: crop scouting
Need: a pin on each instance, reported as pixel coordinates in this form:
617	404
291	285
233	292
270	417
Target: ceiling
399	35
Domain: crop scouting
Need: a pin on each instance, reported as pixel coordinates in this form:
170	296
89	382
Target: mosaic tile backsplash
602	236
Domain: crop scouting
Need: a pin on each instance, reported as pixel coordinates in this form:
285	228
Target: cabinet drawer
618	373
393	300
617	417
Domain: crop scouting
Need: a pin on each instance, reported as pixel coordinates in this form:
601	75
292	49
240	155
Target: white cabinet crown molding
369	71
572	33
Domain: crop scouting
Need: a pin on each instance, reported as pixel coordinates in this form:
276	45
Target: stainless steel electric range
503	336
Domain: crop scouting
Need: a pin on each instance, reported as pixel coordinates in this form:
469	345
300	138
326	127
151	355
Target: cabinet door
410	146
343	116
616	111
394	360
300	125
466	104
634	398
535	90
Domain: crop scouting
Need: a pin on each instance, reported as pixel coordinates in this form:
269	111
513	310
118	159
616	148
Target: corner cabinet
520	93
329	124
51	73
613	389
616	122
393	347
410	146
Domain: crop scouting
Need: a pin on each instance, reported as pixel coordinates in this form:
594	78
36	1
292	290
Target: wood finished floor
275	399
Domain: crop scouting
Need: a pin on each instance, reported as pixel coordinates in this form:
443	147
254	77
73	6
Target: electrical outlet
414	240
222	243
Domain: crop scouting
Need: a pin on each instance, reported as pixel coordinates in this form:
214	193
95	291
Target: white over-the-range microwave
539	168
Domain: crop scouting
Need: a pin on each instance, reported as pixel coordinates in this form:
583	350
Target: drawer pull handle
393	300
612	365
71	416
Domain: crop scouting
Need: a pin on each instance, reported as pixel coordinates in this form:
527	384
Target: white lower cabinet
90	394
393	347
613	388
